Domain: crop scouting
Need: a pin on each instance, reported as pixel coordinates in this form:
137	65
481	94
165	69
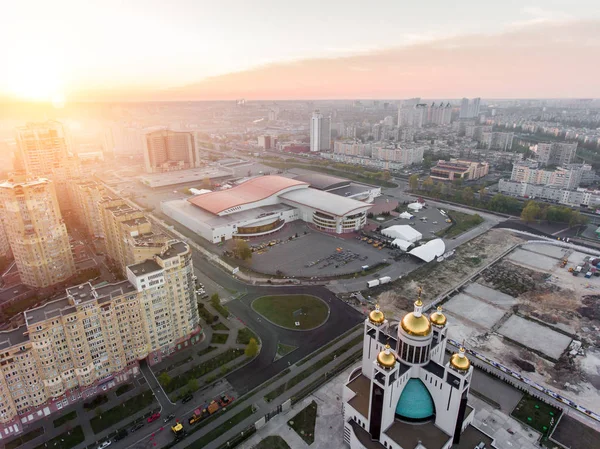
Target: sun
34	79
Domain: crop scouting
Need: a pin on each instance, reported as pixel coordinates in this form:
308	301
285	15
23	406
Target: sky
267	49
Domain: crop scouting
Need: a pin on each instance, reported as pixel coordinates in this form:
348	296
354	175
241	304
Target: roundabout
295	312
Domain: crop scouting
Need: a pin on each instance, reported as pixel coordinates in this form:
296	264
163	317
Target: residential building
406	156
353	148
166	150
36	231
267	142
404	394
320	132
86	197
570	197
406	135
469	108
129	237
94	338
412	116
555	153
439	114
475	132
570	176
497	140
364	161
459	169
4	244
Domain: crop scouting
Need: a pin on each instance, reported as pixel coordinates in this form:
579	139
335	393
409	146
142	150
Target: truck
373	283
385	280
178	430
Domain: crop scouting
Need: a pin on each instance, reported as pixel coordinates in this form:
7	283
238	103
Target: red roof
253	190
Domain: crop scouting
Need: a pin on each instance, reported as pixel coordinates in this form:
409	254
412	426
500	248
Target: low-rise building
570	176
570	197
459	169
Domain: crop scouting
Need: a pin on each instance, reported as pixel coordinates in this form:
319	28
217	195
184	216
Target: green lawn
207	350
219	327
24	438
124	389
461	222
536	414
219	339
65	440
216	433
121	412
283	350
304	423
272	442
65	418
286	310
244	336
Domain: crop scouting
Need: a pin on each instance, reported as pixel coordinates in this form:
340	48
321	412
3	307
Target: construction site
532	307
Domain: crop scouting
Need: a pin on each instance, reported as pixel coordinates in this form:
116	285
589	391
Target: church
404	396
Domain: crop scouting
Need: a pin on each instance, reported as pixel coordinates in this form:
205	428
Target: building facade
497	140
320	132
570	176
42	147
36	232
555	153
570	197
469	108
459	169
166	150
94	338
404	395
86	196
4	244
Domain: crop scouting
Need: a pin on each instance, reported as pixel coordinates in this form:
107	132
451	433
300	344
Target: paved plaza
474	310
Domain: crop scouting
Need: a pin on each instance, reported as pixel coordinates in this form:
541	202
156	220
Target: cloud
557	59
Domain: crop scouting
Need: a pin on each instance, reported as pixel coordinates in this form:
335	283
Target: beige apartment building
128	233
86	196
35	230
94	338
4	245
166	150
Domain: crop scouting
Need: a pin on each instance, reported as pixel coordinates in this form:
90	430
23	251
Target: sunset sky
264	49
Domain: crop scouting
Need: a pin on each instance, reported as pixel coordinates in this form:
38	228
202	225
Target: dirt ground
442	276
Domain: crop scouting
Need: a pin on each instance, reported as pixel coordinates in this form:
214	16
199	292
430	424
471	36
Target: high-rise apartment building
42	147
128	233
412	116
320	132
94	338
439	114
555	153
469	109
86	196
4	244
166	150
36	232
570	176
267	142
496	140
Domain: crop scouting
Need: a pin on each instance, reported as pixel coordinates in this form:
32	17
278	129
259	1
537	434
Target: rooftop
145	267
185	176
326	202
13	337
251	191
322	182
361	385
408	435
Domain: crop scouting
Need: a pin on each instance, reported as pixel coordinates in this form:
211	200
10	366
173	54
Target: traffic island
295	312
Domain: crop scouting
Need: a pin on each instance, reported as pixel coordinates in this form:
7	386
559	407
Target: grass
330	344
206	315
286	310
65	440
24	438
219	339
304	423
217	432
219	327
244	336
121	412
283	350
315	367
124	389
461	222
206	350
65	418
202	369
536	414
272	442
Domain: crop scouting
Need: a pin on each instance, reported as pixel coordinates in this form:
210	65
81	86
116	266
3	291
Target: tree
482	192
214	300
386	175
457	182
413	182
428	184
206	184
164	379
251	348
192	385
468	195
530	212
239	249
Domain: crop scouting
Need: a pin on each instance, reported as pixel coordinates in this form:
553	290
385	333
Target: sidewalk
262	407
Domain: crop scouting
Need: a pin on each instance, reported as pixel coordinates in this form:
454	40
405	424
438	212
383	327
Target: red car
154	417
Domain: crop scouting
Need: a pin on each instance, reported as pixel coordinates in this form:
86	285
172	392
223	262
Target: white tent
406	215
403	232
402	244
430	250
415	206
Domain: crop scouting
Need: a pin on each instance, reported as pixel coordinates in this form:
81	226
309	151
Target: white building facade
320	132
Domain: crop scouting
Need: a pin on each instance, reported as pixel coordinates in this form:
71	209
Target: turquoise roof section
415	402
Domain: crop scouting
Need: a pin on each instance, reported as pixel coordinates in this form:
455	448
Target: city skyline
209	52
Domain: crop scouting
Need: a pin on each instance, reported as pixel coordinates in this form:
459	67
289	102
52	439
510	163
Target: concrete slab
490	295
474	310
535	336
549	250
535	261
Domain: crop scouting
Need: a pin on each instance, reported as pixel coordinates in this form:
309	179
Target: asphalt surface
341	318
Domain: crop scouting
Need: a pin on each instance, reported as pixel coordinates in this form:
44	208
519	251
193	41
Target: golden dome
416	325
437	317
386	358
376	316
460	361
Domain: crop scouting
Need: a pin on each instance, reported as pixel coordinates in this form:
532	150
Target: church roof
415	402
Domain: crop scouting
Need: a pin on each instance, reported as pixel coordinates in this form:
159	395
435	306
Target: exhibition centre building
262	205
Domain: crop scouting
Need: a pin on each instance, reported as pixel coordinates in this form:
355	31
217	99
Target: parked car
154	417
138	426
105	444
120	435
187	398
169	418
